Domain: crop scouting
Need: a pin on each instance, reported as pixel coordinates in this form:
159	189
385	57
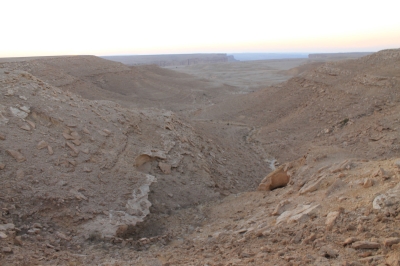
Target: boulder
276	179
300	214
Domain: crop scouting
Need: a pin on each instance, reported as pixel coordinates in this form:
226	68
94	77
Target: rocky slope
74	170
137	86
77	174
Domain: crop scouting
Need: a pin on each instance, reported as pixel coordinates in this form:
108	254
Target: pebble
41	145
6	250
26	127
16	155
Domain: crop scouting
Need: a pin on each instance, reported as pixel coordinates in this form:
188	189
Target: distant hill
170	59
266	56
333	56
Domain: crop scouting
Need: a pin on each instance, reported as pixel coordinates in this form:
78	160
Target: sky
59	27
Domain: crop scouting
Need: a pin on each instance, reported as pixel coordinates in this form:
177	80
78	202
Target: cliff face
171	60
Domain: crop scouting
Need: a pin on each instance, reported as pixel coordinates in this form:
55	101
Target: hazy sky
57	27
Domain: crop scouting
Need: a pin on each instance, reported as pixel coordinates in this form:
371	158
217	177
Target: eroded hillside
73	168
78	176
136	86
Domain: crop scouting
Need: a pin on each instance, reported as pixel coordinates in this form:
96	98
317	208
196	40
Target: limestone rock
41	145
331	219
276	179
311	187
73	148
350	240
75	135
5	227
87	169
33	125
390	198
365	245
26	127
78	195
6	250
388	242
18	113
16	155
393	258
300	214
62	236
280	208
148	156
50	150
77	142
18	241
166	168
368	183
67	136
136	209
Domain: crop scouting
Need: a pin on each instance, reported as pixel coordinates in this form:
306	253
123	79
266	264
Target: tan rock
62	236
87	169
300	214
85	151
311	187
75	135
77	142
309	239
331	219
86	131
18	113
67	136
368	183
50	150
2	137
6	250
393	258
276	179
388	242
5	227
16	155
41	145
166	168
108	132
3	235
26	127
2	166
18	241
383	174
73	148
33	125
350	240
365	245
280	208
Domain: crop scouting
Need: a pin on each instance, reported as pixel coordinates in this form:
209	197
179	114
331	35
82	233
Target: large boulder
276	179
